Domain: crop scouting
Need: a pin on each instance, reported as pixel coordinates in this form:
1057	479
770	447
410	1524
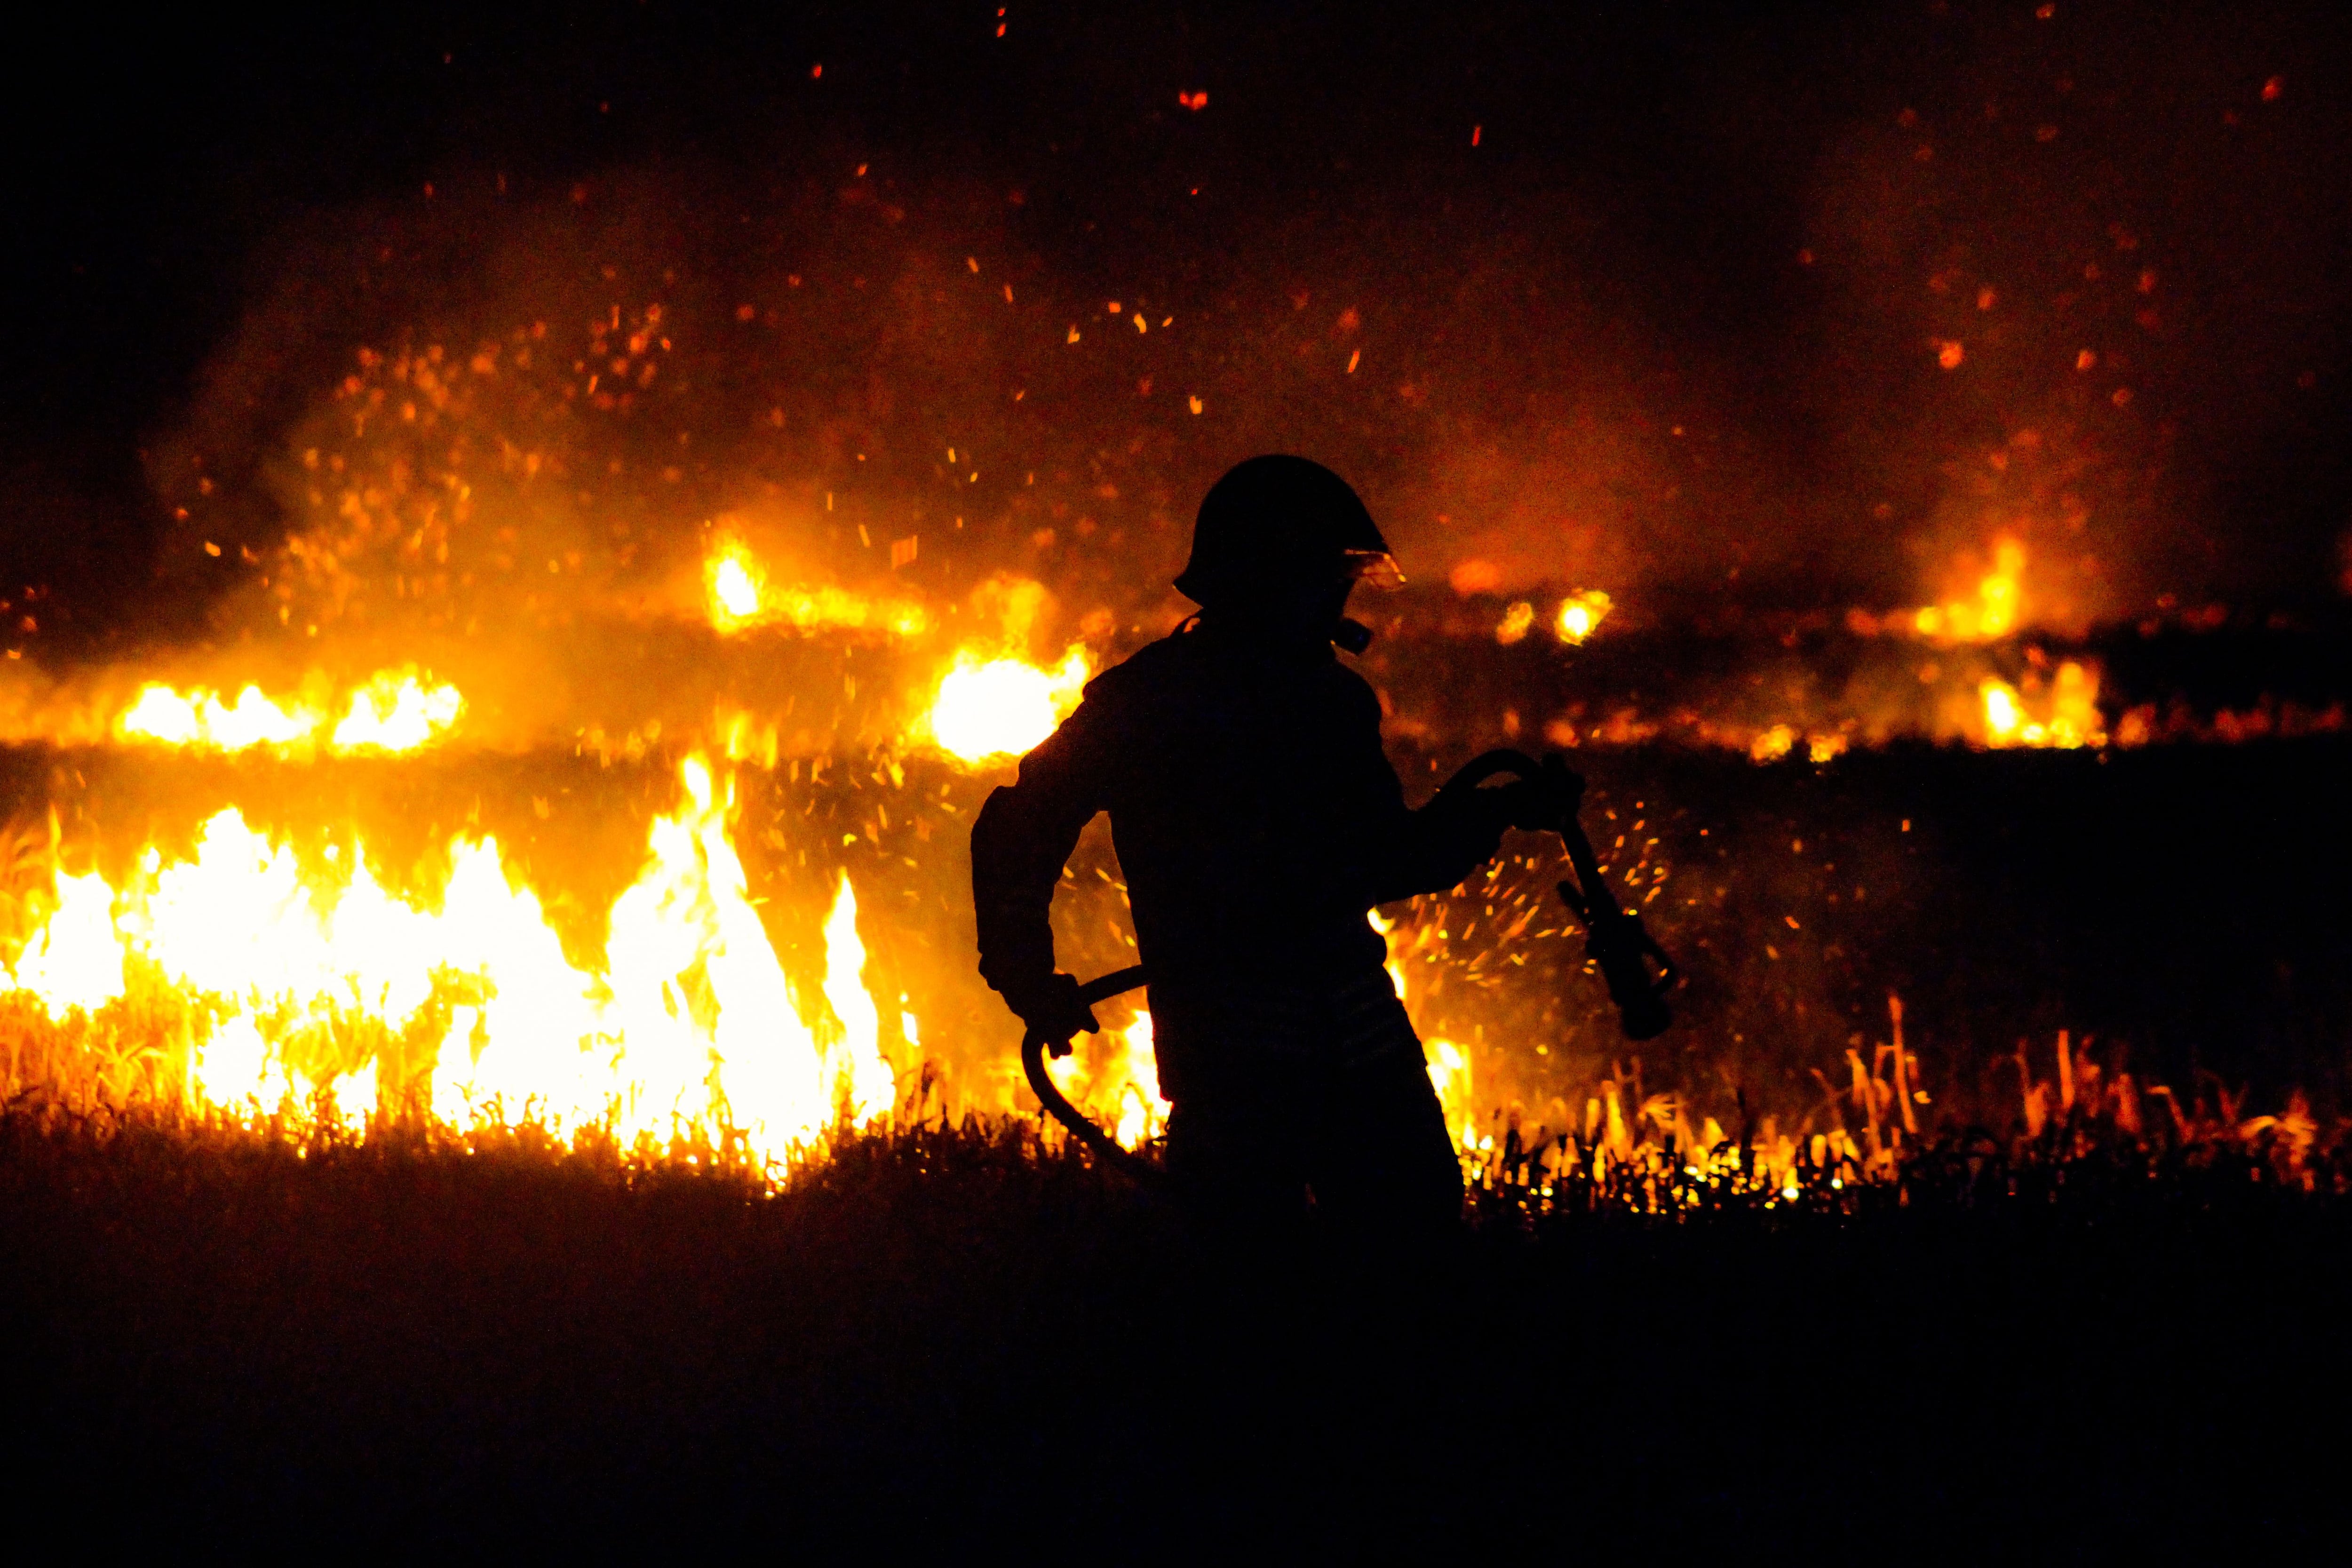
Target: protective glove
1529	805
1053	1010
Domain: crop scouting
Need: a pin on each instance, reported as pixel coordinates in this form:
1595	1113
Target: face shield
1373	568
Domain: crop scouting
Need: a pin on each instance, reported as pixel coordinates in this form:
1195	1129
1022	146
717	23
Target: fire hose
1615	940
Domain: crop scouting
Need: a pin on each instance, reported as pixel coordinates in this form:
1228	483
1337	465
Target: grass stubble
277	1331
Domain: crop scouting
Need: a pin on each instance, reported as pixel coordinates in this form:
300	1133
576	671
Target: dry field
960	1337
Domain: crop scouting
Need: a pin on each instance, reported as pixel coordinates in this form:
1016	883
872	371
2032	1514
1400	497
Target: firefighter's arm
1024	834
1434	848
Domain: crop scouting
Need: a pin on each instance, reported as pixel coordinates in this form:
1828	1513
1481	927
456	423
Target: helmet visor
1376	567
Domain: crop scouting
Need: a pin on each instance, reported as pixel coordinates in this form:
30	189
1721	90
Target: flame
394	714
72	959
866	1086
1449	1068
1449	1074
1574	621
200	719
994	707
395	710
2004	719
1116	1080
299	977
1581	616
740	596
2069	712
1992	614
734	589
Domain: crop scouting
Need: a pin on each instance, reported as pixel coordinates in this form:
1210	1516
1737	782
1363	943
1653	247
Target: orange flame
320	975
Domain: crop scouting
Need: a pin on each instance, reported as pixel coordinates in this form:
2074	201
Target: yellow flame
397	713
1997	594
2068	710
741	596
200	719
1449	1068
1142	1109
1117	1082
1581	616
865	1086
734	592
1516	621
1449	1074
395	710
1994	612
320	976
995	708
2004	719
73	960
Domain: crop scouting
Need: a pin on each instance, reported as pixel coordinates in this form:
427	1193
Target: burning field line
759	963
2080	1136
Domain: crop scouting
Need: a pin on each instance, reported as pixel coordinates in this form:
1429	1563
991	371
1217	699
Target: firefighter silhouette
1257	820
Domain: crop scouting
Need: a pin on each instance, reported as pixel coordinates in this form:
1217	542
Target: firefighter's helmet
1277	521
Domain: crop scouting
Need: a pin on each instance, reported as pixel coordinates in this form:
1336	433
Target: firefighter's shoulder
1140	674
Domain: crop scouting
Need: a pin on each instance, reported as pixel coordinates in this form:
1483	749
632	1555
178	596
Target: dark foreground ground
944	1345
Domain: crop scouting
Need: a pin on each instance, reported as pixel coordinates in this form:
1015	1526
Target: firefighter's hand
1528	804
1566	784
1054	1012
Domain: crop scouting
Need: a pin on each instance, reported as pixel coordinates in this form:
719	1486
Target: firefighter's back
1249	784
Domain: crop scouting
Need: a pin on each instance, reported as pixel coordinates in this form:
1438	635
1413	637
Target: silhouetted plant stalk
2082	1134
2079	1133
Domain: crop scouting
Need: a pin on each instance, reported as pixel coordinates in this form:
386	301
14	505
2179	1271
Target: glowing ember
1580	615
1001	707
1516	621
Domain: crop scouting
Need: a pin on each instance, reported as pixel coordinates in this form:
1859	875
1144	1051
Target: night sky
1797	304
